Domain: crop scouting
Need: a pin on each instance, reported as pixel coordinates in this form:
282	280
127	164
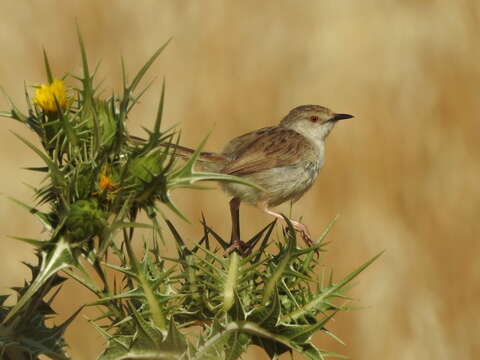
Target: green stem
231	281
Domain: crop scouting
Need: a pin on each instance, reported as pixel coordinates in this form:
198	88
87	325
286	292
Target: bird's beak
341	117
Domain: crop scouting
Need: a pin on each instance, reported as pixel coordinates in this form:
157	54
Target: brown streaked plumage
261	150
284	160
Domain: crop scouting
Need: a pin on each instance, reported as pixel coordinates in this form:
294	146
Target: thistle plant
205	302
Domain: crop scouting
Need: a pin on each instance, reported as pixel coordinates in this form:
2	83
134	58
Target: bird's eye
313	118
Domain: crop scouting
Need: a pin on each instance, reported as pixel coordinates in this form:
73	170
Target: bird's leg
235	242
235	213
301	228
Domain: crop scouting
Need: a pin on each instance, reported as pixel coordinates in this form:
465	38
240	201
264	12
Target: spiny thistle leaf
14	113
247	327
28	336
52	262
55	172
322	296
48	70
45	219
282	265
36	243
186	175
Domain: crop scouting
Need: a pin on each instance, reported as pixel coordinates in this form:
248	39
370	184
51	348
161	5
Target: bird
283	160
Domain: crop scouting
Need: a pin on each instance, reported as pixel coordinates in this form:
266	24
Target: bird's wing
265	149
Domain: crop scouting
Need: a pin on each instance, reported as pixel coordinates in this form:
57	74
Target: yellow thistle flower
46	94
106	183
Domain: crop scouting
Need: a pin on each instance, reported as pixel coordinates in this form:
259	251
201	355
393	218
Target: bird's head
312	121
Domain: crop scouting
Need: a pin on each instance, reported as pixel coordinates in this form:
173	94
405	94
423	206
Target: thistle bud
143	169
85	219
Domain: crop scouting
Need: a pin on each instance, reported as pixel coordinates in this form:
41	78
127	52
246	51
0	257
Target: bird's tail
207	161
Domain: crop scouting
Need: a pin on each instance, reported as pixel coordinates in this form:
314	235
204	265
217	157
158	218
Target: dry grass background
404	174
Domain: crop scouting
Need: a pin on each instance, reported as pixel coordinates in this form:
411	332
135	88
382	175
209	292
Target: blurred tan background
403	175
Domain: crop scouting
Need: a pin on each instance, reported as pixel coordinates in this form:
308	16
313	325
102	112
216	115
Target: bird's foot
304	232
298	226
238	246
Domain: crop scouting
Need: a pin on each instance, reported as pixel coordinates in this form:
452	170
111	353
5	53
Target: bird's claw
307	239
238	245
305	234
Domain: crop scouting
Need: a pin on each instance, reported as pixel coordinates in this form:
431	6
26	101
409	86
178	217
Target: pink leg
301	228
